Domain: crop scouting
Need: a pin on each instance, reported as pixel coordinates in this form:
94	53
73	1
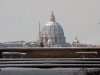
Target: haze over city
19	19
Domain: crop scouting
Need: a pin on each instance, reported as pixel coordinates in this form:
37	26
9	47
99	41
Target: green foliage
92	72
88	72
2	45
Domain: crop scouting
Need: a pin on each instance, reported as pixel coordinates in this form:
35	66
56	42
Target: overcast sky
19	19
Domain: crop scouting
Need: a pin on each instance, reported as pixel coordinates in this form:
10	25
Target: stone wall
51	52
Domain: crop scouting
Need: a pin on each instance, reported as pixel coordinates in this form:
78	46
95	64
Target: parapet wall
52	52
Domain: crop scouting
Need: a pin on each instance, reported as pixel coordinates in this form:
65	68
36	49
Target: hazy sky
19	19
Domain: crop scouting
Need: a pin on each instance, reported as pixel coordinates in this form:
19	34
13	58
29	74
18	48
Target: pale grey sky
19	19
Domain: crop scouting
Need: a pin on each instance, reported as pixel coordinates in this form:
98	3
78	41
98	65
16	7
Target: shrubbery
88	72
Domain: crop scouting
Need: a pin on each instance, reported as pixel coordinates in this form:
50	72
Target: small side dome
76	40
50	42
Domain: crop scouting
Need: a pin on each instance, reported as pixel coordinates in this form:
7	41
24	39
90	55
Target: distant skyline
19	19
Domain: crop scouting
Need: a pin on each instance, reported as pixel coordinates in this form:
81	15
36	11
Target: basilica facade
52	33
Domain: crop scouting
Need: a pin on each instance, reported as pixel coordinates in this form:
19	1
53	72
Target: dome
52	27
52	30
76	40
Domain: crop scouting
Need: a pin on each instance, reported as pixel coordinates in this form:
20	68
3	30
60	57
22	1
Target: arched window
56	40
46	39
60	39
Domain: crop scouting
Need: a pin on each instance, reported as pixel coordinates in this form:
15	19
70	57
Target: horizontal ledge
50	65
43	48
49	59
50	62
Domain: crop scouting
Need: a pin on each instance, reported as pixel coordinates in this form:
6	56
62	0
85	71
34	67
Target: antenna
39	28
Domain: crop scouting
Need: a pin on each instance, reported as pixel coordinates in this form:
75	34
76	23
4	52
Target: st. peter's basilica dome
52	27
52	30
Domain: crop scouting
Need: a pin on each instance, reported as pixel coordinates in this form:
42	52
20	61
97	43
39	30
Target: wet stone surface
40	71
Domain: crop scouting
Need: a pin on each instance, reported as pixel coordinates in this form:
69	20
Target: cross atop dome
52	17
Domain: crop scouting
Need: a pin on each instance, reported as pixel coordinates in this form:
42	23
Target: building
52	32
14	44
76	43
